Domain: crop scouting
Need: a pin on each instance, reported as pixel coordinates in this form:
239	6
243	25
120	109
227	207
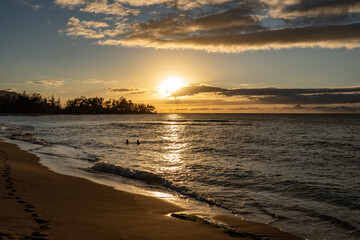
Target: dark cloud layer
219	25
322	7
292	109
233	20
279	95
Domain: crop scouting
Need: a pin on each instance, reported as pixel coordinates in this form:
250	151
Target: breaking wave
22	133
29	139
151	179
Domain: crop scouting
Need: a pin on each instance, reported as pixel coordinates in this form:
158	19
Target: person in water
127	141
137	142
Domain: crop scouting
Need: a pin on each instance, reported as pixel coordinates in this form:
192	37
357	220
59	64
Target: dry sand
36	203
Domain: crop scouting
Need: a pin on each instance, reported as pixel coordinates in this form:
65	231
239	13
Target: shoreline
41	204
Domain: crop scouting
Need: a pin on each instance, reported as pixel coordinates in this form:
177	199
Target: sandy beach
37	203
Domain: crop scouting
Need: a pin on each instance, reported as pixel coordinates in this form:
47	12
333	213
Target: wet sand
37	203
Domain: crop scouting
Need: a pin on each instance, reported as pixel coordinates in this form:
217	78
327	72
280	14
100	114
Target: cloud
139	3
196	89
86	29
181	26
36	6
30	4
234	19
312	99
47	82
321	8
279	95
93	81
347	36
220	25
69	3
127	90
181	4
300	109
320	109
119	29
98	7
104	7
122	89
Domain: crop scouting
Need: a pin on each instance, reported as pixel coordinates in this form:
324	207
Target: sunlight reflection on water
172	156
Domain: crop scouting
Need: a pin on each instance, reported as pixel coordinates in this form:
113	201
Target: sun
170	85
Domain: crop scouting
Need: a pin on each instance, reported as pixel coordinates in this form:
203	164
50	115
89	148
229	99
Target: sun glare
170	85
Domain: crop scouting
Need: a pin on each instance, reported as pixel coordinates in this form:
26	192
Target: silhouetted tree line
36	103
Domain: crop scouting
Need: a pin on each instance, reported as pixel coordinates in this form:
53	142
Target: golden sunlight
170	85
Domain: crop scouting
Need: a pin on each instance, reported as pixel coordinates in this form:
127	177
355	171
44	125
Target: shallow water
297	172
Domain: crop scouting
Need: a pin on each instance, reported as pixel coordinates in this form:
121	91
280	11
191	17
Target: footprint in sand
21	202
28	210
40	221
38	234
29	206
43	225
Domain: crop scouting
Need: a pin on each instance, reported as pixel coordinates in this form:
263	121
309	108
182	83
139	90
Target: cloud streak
47	82
278	95
127	90
322	8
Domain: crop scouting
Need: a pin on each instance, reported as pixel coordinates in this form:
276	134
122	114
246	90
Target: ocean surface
296	172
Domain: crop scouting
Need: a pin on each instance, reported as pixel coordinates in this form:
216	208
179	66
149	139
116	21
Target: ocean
296	172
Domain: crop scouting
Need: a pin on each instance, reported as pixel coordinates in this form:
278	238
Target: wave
89	157
28	138
22	133
328	217
152	179
203	149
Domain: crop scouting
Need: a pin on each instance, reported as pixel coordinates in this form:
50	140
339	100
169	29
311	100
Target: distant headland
11	102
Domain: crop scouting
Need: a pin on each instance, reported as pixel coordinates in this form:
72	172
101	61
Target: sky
187	55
